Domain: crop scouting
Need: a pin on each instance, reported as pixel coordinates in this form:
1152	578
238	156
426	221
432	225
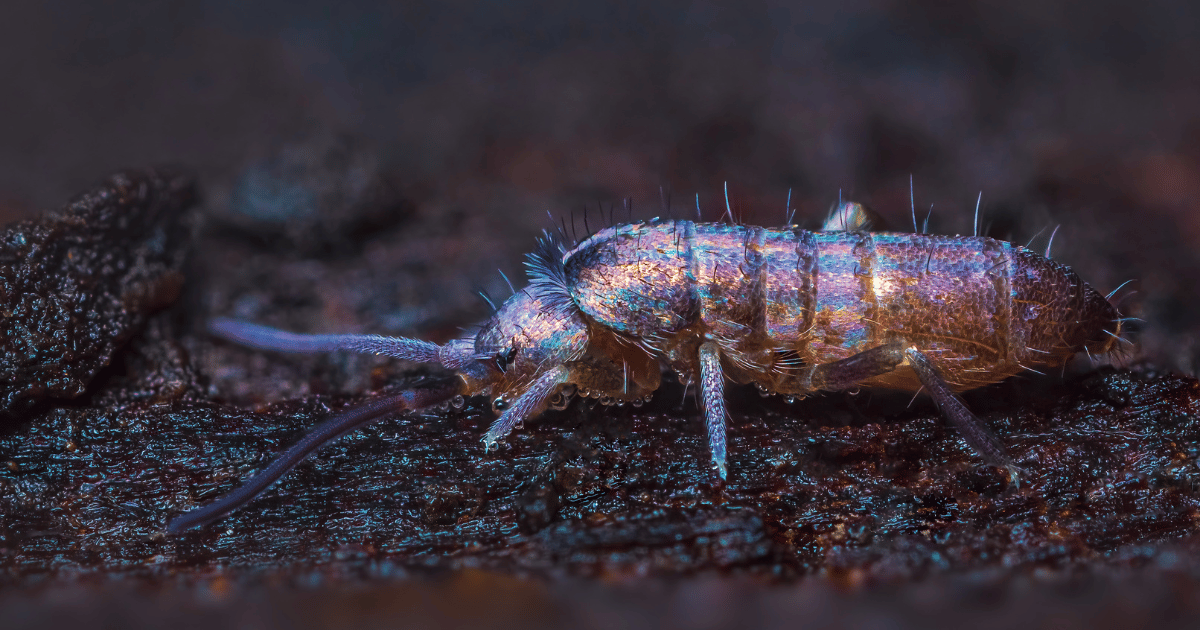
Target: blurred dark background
485	117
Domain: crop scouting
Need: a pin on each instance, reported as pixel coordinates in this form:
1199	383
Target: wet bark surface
847	489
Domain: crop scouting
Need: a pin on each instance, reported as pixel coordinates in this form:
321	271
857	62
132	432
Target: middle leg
832	376
712	396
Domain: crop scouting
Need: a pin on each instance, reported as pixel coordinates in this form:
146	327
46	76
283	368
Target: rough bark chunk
77	283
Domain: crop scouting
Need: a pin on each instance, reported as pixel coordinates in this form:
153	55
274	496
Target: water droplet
559	401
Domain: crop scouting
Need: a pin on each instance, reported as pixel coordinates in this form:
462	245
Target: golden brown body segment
980	309
789	310
795	311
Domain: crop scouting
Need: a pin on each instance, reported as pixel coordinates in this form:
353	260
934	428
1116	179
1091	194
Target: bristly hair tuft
548	274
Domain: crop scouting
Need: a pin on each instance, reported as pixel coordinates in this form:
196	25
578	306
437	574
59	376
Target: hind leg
848	372
970	427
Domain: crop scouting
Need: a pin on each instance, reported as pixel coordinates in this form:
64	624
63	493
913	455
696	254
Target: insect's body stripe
871	329
807	267
726	283
844	298
756	269
785	275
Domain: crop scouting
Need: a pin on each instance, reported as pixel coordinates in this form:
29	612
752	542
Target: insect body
791	311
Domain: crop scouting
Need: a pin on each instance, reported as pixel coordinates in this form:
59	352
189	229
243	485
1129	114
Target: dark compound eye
504	359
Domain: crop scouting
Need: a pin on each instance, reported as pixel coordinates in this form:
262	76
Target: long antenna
324	433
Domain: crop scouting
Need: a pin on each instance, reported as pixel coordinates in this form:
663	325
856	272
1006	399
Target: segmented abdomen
773	297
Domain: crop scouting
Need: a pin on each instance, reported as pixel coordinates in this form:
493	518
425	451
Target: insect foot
787	310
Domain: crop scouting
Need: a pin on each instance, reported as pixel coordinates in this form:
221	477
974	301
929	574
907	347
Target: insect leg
526	405
712	394
973	430
848	372
323	434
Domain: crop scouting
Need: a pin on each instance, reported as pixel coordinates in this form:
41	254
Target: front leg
530	403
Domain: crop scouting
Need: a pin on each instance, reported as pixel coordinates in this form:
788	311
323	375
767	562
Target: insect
789	310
